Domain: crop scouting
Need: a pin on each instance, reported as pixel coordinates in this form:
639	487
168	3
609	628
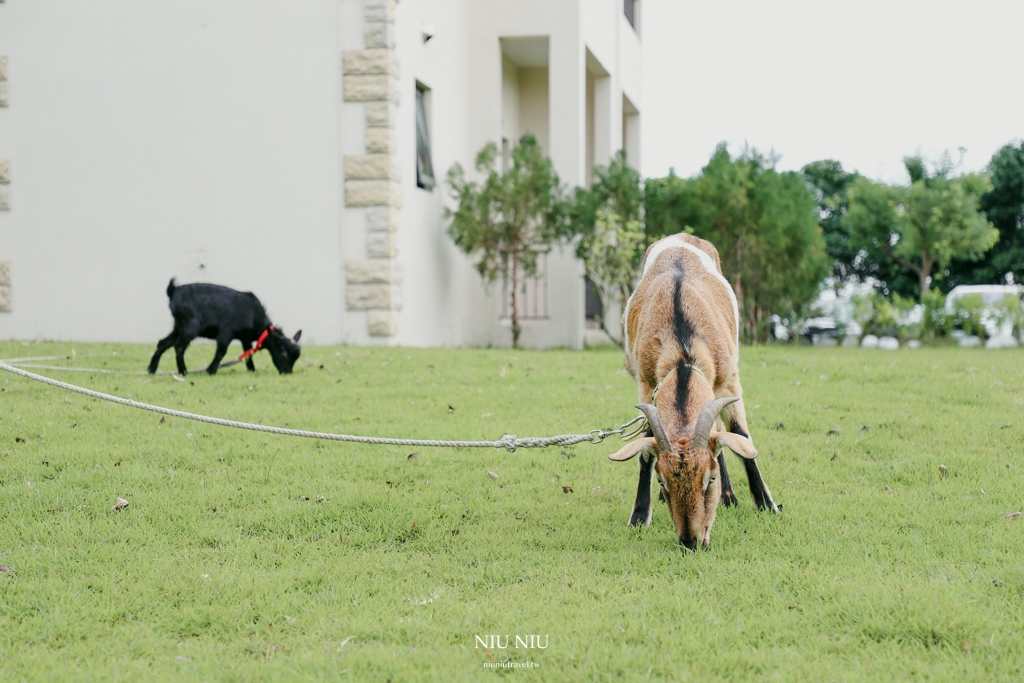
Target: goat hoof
729	499
639	520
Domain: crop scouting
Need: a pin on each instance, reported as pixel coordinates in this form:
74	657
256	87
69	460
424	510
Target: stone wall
5	198
5	179
3	81
5	165
370	77
5	286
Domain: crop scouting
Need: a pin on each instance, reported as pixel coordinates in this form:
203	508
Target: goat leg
642	505
222	348
728	496
249	365
179	355
738	425
161	346
758	489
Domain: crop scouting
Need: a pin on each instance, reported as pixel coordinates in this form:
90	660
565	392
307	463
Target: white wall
531	19
534	105
631	133
510	128
145	135
478	95
436	277
525	103
444	300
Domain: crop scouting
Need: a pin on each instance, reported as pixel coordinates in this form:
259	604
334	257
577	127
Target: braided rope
509	442
72	368
33	358
29	362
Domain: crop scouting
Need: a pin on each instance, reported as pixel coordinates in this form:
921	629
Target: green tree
509	218
829	183
607	219
612	255
763	223
1004	206
921	226
666	206
616	189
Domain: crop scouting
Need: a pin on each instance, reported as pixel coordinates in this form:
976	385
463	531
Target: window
629	8
424	163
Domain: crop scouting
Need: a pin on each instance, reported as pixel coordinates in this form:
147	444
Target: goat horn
654	420
706	421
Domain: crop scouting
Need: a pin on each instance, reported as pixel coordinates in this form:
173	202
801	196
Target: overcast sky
864	82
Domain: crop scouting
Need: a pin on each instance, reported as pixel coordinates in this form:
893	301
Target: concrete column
603	143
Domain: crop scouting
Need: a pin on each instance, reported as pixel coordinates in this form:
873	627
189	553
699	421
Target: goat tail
170	288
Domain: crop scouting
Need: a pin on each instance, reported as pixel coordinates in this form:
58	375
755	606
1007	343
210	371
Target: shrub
969	315
1009	312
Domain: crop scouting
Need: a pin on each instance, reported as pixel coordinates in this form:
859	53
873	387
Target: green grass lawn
244	556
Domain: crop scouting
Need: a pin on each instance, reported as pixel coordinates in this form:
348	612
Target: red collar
259	343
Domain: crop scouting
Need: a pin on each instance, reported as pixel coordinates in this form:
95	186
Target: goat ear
296	337
740	445
629	451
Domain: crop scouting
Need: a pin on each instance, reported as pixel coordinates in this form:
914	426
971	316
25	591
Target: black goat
221	313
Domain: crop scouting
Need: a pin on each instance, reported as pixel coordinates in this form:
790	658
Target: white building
271	146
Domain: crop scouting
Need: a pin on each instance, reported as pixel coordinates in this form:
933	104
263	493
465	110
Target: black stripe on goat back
681	326
684	372
682	329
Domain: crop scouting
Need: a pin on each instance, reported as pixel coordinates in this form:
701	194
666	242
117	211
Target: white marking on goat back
676	242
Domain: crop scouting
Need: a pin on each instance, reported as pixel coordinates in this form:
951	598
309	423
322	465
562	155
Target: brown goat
682	347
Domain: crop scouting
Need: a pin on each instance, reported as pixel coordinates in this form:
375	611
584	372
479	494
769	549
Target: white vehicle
992	297
833	310
820	331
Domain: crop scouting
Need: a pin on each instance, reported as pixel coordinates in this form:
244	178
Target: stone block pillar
3	81
370	77
5	179
5	286
5	164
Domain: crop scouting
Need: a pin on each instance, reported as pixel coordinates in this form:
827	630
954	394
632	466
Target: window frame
629	10
425	177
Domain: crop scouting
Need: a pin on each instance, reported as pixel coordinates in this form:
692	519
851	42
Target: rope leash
26	359
72	368
24	363
509	442
694	368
